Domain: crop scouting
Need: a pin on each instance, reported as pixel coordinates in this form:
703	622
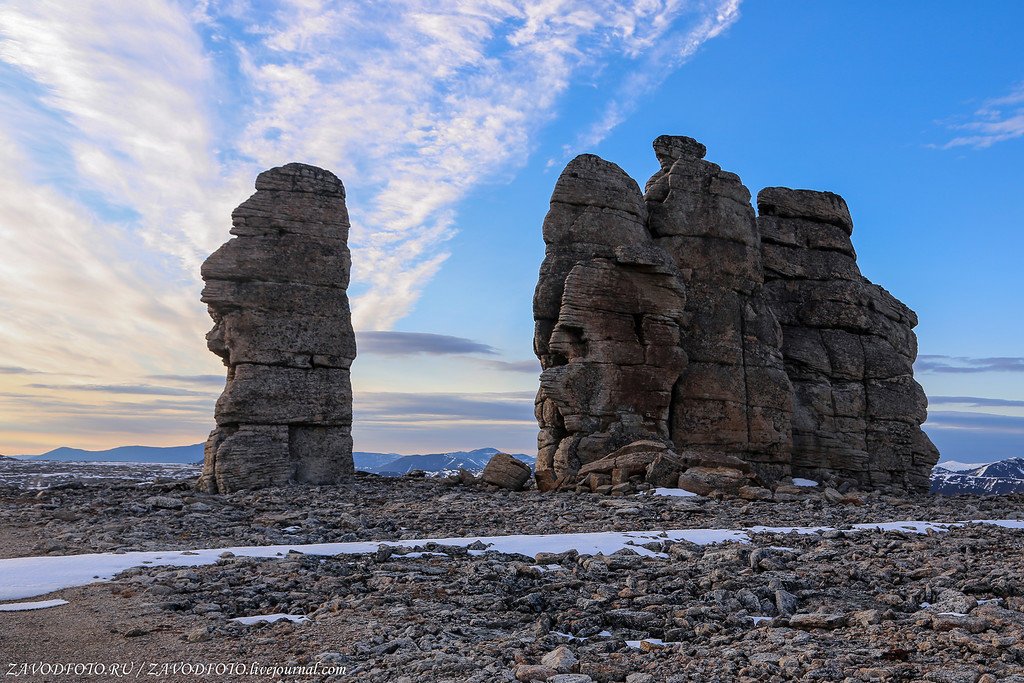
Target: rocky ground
839	605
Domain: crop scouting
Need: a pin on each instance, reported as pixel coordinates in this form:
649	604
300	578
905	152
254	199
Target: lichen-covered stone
277	295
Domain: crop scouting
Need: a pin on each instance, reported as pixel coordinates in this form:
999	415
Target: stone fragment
282	326
704	480
632	459
754	493
561	659
505	471
785	602
533	672
818	620
664	470
164	503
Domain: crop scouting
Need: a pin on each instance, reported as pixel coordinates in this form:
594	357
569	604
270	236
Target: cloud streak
141	389
967	365
14	370
975	401
444	408
997	120
412	343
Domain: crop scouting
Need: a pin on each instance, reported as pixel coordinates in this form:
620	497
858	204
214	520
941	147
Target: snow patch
957	466
28	606
678	493
27	577
797	481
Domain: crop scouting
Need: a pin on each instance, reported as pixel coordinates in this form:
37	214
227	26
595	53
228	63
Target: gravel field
842	605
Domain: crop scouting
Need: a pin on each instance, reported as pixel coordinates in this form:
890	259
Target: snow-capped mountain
436	464
1002	477
391	464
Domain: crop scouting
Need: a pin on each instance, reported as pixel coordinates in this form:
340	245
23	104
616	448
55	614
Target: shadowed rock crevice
277	295
678	316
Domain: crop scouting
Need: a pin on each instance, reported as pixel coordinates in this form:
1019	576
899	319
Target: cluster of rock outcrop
677	316
277	295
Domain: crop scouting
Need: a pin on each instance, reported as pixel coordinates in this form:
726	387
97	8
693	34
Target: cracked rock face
608	308
734	396
849	347
678	315
277	296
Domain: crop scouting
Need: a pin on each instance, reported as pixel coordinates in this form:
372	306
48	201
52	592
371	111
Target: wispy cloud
14	370
966	365
128	131
412	343
975	401
659	54
531	366
142	389
997	120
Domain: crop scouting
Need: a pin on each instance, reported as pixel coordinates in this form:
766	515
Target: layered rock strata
734	395
751	337
608	308
282	325
848	344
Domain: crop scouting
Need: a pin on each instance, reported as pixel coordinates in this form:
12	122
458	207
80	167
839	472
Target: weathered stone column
849	347
282	325
734	396
608	309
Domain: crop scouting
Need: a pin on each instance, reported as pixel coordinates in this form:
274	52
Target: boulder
705	480
504	471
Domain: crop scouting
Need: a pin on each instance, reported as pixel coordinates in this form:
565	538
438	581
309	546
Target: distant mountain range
948	478
436	464
154	454
388	464
956	478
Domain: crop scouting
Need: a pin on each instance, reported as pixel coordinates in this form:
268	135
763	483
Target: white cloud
662	55
997	120
130	130
416	103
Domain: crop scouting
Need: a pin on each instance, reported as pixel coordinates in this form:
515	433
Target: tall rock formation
282	325
734	396
796	363
608	309
849	347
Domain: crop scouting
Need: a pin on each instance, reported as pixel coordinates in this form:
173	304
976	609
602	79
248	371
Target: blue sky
128	133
